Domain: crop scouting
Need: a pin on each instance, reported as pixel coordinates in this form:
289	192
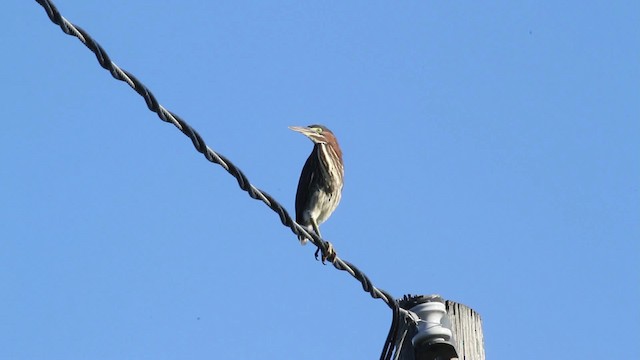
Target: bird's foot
329	255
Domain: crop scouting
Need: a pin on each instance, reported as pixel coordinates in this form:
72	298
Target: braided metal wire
200	145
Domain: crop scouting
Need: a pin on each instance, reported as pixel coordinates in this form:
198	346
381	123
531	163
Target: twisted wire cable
200	145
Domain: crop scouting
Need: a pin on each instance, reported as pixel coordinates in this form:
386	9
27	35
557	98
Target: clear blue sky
492	156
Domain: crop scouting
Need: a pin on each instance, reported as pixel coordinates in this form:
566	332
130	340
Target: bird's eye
318	130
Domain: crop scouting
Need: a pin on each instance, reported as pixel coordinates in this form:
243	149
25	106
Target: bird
321	181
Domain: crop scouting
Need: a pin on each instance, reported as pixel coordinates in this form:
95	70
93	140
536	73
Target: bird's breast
325	202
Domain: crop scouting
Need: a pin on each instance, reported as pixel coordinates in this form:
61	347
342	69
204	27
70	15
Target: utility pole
446	330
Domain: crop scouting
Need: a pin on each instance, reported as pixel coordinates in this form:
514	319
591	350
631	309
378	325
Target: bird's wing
304	193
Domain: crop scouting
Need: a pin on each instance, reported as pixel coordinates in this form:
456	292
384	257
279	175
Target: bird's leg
331	254
314	224
330	251
317	231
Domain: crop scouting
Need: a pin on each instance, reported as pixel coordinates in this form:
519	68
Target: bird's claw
329	255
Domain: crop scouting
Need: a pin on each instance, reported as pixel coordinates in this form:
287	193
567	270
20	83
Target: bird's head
319	134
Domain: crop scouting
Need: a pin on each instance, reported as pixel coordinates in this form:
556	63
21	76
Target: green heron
321	180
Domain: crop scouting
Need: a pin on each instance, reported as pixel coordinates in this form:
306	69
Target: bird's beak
303	130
